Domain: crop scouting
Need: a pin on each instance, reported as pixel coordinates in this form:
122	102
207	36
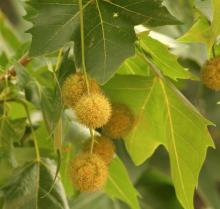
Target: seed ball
211	74
88	172
75	86
103	147
93	110
120	123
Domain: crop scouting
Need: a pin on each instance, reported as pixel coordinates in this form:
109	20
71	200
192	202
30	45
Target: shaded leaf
157	191
66	68
24	185
9	37
209	186
29	183
48	98
107	25
10	131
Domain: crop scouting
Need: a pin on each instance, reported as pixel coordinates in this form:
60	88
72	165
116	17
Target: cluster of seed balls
89	171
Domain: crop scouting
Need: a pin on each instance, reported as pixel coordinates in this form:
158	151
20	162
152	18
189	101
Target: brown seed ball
120	123
93	110
103	146
211	74
75	86
88	172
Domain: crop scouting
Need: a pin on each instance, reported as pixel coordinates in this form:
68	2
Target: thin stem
213	51
4	99
83	44
84	63
58	63
33	134
59	59
92	140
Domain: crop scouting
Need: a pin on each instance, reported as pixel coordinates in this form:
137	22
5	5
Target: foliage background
35	94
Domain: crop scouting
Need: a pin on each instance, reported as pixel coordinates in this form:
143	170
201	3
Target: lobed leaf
107	25
164	117
163	59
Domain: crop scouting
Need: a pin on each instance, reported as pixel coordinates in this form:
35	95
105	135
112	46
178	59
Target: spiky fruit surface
103	146
74	87
88	172
120	123
211	74
93	110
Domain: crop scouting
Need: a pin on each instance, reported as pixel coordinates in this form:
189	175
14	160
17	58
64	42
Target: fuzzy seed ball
93	110
120	123
211	74
88	172
103	147
75	86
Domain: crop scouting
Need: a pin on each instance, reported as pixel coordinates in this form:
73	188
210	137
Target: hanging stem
83	44
213	51
92	140
84	63
33	134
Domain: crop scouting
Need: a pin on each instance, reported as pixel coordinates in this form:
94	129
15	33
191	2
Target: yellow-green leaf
164	117
163	59
119	185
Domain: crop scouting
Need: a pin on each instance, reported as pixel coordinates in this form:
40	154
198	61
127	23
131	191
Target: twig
11	71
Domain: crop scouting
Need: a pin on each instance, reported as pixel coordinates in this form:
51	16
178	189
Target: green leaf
199	32
10	131
163	59
95	200
119	185
64	170
66	68
107	25
29	184
21	191
134	66
17	110
215	26
51	105
8	37
48	98
6	169
3	60
202	31
164	117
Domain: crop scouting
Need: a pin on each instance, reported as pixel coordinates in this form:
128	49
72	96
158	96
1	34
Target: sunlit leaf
119	185
164	117
163	59
199	32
